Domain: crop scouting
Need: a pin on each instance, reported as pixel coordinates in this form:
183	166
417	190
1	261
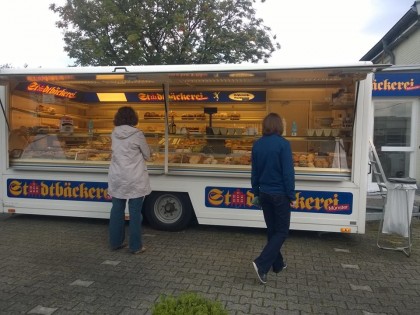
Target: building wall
408	52
418	144
410	97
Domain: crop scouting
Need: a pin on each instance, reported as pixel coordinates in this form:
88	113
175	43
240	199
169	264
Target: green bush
187	304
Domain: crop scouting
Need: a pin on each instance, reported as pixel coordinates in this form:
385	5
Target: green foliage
187	304
6	66
141	32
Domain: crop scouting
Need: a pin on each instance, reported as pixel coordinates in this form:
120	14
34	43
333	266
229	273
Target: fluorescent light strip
110	77
111	97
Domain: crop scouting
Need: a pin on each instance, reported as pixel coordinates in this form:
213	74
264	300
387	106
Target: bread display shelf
77	154
193	115
316	138
238	137
191	158
225	167
47	115
198	120
57	162
82	135
73	162
226	146
313	171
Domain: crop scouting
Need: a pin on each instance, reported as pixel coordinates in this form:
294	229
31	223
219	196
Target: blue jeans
276	210
117	223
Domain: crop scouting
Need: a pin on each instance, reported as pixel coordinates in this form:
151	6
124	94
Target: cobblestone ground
56	265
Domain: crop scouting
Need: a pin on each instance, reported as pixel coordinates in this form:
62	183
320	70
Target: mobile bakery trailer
200	121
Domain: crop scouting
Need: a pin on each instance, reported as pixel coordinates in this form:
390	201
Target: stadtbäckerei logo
307	201
57	190
396	84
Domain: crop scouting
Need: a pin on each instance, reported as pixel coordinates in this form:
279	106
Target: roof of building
399	32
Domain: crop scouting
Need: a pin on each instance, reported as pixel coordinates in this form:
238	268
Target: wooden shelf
47	115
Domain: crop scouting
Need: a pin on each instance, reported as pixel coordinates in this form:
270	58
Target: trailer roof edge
359	66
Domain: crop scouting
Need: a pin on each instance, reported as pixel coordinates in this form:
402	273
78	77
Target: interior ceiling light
110	77
47	78
241	75
112	97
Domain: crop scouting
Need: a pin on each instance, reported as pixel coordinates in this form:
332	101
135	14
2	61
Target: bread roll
195	159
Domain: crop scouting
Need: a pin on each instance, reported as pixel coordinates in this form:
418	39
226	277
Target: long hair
272	124
126	116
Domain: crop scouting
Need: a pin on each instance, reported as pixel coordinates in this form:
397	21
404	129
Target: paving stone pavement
57	265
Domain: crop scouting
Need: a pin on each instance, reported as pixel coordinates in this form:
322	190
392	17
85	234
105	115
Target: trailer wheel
168	211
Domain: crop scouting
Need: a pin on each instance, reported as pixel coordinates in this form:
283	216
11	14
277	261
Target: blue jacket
272	167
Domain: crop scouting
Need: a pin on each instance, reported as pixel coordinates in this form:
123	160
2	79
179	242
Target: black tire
168	211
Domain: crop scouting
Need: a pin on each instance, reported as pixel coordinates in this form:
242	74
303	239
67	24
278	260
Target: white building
396	97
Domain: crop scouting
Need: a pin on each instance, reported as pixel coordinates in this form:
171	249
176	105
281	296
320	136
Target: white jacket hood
124	131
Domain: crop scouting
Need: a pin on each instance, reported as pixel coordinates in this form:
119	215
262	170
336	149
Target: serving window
67	123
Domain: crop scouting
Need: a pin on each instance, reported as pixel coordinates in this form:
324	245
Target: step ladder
385	185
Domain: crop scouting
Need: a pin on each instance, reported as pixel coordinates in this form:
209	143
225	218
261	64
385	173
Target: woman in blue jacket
273	183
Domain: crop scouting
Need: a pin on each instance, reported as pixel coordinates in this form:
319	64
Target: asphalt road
57	265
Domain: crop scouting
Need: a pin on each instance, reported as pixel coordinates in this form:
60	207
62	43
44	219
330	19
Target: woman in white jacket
128	179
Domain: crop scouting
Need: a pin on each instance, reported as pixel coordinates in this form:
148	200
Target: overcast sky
309	31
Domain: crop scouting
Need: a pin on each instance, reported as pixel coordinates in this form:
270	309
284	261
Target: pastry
223	116
235	116
201	116
303	159
310	158
46	109
227	160
195	159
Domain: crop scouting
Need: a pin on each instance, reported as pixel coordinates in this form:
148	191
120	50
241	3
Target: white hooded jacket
128	177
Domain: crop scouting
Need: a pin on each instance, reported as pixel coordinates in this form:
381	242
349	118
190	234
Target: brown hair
272	124
126	116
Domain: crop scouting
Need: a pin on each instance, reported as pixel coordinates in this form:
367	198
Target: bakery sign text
57	190
306	201
396	84
175	97
241	96
187	97
204	96
48	89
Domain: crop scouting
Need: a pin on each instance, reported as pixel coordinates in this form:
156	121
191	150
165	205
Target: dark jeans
117	223
276	209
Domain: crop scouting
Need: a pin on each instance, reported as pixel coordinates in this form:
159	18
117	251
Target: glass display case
38	137
206	132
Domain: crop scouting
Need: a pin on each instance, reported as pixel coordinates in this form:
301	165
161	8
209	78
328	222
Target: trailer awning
193	76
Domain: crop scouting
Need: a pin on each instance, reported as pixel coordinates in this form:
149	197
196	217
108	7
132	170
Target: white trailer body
200	121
